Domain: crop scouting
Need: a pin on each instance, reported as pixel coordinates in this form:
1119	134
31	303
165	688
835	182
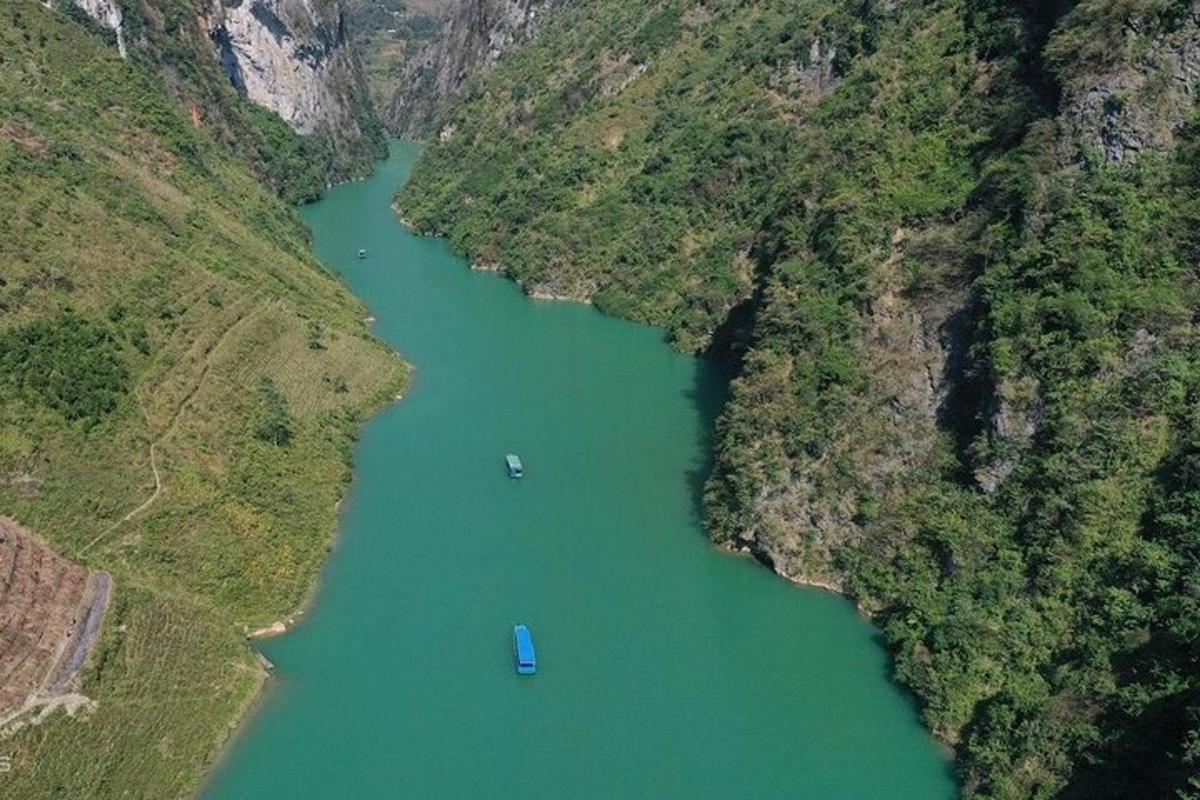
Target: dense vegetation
157	305
70	364
962	294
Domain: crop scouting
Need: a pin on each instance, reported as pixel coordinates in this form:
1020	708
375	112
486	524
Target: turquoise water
667	669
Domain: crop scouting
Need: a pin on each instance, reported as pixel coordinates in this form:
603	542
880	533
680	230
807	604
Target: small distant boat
513	463
526	658
362	253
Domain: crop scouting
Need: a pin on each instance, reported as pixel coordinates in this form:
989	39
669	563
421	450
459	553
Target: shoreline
807	583
533	292
494	268
264	667
539	292
257	697
261	693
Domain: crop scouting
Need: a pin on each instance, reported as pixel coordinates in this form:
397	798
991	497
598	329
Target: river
667	669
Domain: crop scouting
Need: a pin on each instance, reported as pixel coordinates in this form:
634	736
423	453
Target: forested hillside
952	246
469	38
180	384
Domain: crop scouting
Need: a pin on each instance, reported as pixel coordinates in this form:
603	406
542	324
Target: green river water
667	669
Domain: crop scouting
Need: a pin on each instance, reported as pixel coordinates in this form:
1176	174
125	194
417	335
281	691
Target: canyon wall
474	36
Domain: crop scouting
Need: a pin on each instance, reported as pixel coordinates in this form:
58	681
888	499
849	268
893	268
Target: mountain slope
388	34
309	119
952	245
181	388
470	38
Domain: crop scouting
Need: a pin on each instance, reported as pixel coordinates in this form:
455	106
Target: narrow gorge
944	254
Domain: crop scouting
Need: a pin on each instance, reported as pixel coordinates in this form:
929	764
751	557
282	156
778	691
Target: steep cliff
108	14
293	58
473	36
952	247
1130	76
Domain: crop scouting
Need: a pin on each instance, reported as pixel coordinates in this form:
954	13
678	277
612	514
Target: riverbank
263	666
181	387
439	548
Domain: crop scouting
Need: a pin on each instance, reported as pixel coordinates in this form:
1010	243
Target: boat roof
524	644
512	459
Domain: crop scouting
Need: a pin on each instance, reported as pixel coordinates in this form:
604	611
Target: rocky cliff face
475	35
293	57
1139	96
1126	93
108	14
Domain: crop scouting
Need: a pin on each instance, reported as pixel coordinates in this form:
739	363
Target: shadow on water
709	393
888	673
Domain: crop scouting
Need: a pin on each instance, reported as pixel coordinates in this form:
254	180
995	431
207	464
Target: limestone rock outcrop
475	35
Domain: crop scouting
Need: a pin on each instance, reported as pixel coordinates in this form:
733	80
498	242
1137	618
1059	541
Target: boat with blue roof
526	658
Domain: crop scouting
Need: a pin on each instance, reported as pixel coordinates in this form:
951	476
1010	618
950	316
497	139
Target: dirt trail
169	429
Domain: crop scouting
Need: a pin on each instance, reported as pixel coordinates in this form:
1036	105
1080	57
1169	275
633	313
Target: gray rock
105	13
290	56
475	35
1130	108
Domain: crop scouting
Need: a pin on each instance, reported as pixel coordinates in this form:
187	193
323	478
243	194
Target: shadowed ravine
667	669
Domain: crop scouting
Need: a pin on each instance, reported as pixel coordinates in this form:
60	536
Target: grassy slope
837	237
192	285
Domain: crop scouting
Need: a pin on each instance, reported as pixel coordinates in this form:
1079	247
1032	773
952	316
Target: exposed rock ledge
542	292
537	291
107	13
293	57
270	631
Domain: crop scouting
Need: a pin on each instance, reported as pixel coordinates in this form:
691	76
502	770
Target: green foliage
165	37
151	289
297	167
819	175
67	363
639	197
315	334
272	422
388	34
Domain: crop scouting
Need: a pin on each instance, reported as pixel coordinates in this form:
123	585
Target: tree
272	422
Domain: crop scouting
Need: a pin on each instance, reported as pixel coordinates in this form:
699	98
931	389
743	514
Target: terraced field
51	612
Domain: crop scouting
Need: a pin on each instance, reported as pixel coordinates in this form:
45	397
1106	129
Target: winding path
168	430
